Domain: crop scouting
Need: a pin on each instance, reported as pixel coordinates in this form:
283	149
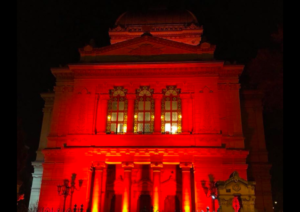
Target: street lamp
213	194
65	190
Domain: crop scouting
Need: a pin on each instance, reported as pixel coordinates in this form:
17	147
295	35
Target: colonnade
96	186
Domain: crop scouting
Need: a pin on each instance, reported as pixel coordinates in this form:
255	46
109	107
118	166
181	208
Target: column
196	187
89	186
36	184
130	113
186	186
97	187
185	113
102	114
156	185
127	186
157	117
192	113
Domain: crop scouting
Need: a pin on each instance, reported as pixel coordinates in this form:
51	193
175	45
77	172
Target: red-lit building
149	121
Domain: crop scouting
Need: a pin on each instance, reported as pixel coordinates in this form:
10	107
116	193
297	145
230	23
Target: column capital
156	166
127	165
186	165
99	165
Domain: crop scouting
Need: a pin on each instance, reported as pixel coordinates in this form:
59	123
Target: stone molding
136	153
147	40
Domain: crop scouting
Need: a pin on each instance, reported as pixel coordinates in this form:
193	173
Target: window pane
114	105
140	116
174	127
114	117
167	127
167	116
174	116
140	127
121	105
113	127
147	105
120	116
167	105
174	105
147	116
120	127
141	105
147	127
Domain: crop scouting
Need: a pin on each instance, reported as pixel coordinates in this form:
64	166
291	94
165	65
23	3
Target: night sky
50	32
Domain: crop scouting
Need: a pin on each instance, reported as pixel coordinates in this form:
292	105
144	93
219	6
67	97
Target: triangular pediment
146	45
235	184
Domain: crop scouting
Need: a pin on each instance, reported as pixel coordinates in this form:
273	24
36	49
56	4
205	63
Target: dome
160	16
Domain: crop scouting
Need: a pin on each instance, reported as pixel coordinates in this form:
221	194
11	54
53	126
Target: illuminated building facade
148	122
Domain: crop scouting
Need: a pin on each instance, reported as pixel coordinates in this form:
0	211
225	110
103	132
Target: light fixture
180	116
135	116
108	117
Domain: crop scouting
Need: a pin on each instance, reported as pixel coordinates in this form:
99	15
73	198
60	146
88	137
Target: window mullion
171	114
144	116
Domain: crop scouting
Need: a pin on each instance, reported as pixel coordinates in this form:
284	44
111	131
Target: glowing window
144	110
117	111
171	111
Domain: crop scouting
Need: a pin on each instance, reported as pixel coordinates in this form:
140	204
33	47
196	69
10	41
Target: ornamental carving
236	187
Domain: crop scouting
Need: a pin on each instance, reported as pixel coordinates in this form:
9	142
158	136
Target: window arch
144	110
171	111
117	111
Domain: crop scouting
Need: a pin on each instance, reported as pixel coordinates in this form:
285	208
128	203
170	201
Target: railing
51	209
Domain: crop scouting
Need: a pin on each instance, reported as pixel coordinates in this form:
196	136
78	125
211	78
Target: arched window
117	111
171	111
144	110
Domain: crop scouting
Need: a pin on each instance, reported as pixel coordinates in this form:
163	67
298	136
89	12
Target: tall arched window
171	111
117	111
144	110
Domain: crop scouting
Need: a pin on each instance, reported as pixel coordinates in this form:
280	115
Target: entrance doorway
144	203
116	203
172	204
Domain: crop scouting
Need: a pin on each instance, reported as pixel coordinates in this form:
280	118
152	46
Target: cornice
146	39
231	70
146	69
62	74
144	151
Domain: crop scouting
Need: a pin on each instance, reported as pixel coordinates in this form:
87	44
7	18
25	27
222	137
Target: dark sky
50	32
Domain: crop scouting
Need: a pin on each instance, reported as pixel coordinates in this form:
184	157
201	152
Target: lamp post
213	194
64	190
